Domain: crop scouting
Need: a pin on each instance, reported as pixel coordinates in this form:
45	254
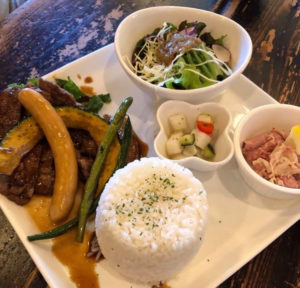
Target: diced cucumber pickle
208	152
187	139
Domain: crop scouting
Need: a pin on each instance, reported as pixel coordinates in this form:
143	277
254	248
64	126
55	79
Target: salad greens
194	63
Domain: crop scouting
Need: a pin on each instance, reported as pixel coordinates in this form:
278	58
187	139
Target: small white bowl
257	121
143	22
223	145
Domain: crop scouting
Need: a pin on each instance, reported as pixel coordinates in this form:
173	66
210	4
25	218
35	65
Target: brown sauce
88	79
175	44
144	148
79	76
87	90
81	268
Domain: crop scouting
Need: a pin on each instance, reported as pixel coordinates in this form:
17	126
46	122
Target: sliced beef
10	110
83	142
86	150
46	173
56	95
85	165
20	185
261	146
135	151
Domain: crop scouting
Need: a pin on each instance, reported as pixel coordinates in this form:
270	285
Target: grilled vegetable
58	137
16	143
91	184
22	138
72	223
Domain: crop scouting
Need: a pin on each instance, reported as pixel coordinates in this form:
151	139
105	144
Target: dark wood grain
43	35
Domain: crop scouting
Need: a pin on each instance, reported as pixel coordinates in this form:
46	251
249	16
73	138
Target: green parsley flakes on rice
150	219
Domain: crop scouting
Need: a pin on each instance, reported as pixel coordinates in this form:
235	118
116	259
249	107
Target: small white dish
223	145
259	120
144	21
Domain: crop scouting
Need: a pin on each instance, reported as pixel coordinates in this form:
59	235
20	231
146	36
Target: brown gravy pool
81	268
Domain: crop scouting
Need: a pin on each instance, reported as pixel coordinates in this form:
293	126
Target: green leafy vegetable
71	87
199	26
16	85
210	40
34	81
94	104
105	98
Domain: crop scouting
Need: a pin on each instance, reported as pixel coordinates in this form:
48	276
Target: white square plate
241	223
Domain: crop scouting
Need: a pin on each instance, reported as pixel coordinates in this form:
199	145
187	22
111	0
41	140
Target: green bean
91	184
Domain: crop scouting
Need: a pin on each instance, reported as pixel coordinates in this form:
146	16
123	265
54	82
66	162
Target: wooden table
42	35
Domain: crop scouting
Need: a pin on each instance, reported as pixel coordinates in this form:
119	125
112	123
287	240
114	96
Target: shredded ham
272	159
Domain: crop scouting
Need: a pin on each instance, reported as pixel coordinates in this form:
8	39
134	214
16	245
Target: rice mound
150	219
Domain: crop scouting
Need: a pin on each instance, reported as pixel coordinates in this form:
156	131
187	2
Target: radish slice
221	52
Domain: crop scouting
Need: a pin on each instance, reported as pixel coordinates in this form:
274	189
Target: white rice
150	219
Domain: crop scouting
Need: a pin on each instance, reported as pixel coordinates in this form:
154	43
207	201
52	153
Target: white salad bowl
143	22
257	121
222	144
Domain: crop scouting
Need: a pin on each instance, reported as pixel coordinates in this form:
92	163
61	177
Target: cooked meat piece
134	152
20	186
288	181
3	183
85	165
58	96
262	145
46	174
10	110
175	44
94	249
83	142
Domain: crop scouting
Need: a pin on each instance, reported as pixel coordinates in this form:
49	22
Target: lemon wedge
294	138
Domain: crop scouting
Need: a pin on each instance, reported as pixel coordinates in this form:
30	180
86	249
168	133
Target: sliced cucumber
187	139
206	118
208	152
